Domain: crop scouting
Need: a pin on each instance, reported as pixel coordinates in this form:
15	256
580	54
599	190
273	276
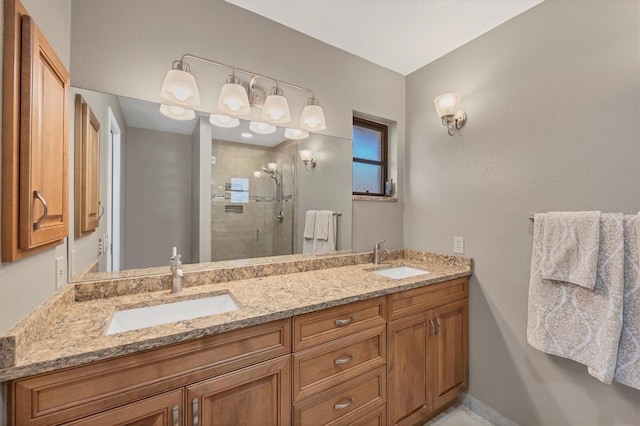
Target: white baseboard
483	410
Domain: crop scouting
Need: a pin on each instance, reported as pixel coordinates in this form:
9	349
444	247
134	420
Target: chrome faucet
376	251
176	272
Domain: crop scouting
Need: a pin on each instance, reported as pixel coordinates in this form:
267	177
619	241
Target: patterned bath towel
628	367
571	321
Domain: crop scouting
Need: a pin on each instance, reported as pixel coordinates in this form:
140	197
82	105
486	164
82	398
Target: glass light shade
448	103
312	118
223	120
306	155
233	100
177	112
246	135
262	128
276	109
295	134
179	87
272	167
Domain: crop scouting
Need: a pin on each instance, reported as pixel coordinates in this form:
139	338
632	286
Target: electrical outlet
458	245
60	281
72	263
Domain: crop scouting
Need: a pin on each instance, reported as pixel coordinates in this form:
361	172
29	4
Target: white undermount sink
148	316
400	272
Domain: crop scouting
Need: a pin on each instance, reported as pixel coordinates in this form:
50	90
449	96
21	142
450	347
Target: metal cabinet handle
344	360
432	328
341	322
194	404
176	415
36	194
343	405
438	326
100	207
259	237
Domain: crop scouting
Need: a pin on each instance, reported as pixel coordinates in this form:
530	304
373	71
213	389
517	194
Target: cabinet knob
341	322
343	405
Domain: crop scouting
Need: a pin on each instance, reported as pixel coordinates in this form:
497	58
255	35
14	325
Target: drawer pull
176	415
432	328
437	325
344	360
343	405
341	322
194	404
45	213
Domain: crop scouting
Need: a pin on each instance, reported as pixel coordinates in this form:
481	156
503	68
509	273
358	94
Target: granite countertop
69	329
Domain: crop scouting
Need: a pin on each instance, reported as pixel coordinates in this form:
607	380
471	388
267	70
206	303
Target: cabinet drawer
324	366
355	396
79	391
322	326
424	298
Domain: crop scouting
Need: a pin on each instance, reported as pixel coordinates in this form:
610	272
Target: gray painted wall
553	106
157	220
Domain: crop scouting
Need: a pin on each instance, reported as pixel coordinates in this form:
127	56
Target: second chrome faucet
377	248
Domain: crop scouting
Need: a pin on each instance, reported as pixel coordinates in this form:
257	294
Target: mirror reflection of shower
272	170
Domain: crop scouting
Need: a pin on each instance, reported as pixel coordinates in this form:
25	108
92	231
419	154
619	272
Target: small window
369	157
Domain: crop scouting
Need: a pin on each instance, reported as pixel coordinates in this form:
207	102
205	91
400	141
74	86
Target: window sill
375	198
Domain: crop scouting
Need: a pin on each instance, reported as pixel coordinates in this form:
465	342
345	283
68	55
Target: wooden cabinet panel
424	298
409	370
324	366
162	410
254	395
44	142
451	369
356	396
75	392
323	326
87	168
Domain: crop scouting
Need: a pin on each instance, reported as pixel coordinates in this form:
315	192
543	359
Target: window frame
384	138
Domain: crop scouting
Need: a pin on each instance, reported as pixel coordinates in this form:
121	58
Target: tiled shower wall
255	232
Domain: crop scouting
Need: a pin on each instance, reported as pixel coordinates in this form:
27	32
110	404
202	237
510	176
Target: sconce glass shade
233	98
306	155
177	112
312	118
276	108
180	88
262	128
295	134
272	167
447	104
223	121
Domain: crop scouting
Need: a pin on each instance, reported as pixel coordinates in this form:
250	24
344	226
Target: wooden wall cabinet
35	136
87	168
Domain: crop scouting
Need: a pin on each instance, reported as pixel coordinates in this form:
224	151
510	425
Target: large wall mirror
217	193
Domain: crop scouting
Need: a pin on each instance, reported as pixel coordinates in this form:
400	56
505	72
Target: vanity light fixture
177	112
276	108
180	88
262	128
448	109
220	120
295	134
306	155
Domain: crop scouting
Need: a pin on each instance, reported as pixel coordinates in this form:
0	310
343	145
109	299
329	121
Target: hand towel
571	321
323	224
328	245
308	240
628	364
571	242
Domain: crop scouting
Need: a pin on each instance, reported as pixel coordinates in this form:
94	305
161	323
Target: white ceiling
401	35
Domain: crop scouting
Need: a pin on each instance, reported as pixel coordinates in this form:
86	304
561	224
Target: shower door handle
259	237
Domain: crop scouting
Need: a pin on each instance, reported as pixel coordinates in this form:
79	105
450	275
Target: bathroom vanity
335	344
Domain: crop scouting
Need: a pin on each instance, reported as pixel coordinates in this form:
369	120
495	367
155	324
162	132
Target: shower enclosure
252	200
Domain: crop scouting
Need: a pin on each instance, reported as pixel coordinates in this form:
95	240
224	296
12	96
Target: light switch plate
60	281
458	245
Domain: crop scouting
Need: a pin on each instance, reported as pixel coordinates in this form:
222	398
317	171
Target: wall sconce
177	112
306	155
180	88
448	109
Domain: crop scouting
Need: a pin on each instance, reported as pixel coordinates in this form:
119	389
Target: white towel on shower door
571	321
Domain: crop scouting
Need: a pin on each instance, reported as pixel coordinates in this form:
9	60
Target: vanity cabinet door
162	410
451	364
260	394
44	141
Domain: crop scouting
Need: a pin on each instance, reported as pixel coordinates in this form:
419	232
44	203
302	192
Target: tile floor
458	416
